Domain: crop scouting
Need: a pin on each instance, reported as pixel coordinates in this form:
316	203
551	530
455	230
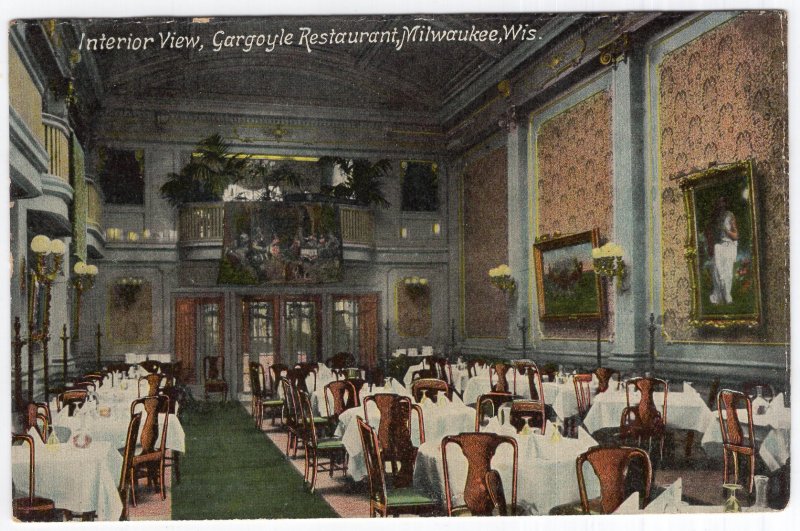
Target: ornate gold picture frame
722	246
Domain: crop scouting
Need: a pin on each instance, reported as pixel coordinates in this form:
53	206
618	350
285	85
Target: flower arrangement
501	277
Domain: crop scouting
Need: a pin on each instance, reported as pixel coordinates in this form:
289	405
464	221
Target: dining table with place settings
545	471
81	480
686	410
440	418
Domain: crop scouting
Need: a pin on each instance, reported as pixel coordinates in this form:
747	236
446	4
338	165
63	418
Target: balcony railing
358	225
201	222
204	222
57	146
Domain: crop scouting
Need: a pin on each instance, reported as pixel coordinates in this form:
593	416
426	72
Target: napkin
629	506
687	388
412	352
777	403
667	501
427	351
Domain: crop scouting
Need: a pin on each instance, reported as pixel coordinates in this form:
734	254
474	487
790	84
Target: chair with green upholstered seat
384	501
315	446
261	398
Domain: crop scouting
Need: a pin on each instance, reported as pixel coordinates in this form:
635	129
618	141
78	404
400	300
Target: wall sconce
44	269
82	281
403	233
608	262
416	286
501	277
436	229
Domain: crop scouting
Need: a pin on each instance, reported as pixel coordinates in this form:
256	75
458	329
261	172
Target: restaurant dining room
302	267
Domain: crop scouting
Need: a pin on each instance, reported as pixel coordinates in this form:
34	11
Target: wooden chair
315	447
394	434
430	387
37	416
423	374
261	400
126	475
479	448
487	406
604	376
443	369
521	367
32	508
95	377
535	387
86	385
474	365
530	412
150	458
293	422
384	501
734	441
644	419
71	399
304	371
152	382
612	466
499	370
343	395
583	393
151	366
214	377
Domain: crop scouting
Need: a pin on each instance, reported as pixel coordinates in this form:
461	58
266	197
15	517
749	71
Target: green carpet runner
231	471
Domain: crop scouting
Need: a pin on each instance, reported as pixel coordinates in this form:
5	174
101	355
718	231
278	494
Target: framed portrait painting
566	283
722	248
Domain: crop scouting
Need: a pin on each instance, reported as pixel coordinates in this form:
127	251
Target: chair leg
752	471
176	456
724	465
133	486
305	469
735	467
313	466
161	479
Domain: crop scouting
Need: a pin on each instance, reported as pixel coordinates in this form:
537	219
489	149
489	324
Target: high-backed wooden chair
151	384
643	419
37	416
126	475
86	385
292	421
277	371
474	365
443	369
261	400
535	387
315	447
583	392
612	466
151	448
430	387
214	377
151	366
32	508
394	433
479	448
604	378
342	395
487	406
304	371
71	399
499	371
423	374
382	500
530	412
734	440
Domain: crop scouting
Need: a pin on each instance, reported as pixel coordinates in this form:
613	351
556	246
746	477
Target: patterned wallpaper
574	184
723	99
485	245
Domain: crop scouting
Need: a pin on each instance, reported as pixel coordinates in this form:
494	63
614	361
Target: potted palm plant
363	183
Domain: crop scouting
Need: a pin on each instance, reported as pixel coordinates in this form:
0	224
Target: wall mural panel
485	245
413	311
724	99
130	312
268	242
574	185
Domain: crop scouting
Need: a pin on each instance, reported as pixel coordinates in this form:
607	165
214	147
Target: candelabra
501	277
49	256
82	281
608	262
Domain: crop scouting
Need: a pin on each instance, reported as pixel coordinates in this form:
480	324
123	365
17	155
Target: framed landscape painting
566	283
722	246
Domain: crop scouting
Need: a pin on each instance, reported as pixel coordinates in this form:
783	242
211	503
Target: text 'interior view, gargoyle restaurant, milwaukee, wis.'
322	266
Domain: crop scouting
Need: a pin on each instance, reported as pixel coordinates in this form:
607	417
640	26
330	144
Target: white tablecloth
685	410
132	357
546	470
771	431
392	386
460	376
561	396
80	480
438	420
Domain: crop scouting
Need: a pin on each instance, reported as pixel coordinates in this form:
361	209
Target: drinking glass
761	491
732	504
